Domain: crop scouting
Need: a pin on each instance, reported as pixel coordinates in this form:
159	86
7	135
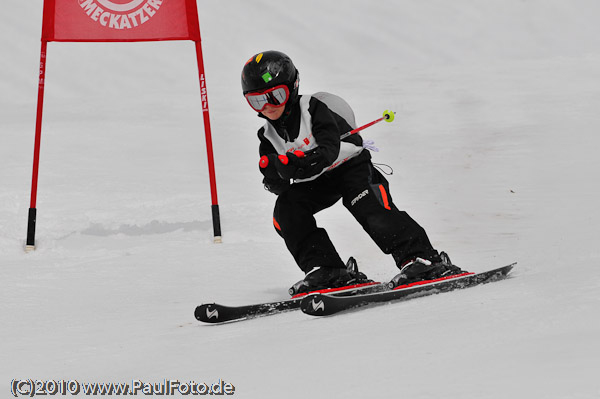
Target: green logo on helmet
267	77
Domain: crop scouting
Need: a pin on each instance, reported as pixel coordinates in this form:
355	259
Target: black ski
215	313
320	304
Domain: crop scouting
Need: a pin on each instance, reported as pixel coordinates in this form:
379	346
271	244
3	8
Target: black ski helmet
269	69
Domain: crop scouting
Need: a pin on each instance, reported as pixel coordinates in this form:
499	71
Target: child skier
309	168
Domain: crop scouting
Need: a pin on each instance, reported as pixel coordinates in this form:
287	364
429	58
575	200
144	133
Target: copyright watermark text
31	388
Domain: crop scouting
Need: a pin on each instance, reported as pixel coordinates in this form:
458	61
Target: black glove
292	165
283	167
276	186
272	181
268	166
300	165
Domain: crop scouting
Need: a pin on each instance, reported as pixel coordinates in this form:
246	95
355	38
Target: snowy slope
494	152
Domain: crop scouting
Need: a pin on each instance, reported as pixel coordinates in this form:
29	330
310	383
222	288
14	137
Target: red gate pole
209	150
30	244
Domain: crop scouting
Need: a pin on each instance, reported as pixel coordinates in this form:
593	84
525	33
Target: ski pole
388	116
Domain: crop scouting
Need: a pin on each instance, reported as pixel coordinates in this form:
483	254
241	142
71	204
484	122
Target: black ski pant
365	193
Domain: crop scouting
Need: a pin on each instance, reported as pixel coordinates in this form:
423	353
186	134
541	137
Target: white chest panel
306	141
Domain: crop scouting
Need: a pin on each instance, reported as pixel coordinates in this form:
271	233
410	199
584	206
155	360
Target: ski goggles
276	96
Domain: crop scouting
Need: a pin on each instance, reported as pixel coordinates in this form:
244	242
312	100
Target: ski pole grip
264	162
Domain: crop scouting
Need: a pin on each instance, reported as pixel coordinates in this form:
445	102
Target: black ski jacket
327	127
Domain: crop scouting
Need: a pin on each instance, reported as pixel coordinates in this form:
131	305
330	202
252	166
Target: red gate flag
120	20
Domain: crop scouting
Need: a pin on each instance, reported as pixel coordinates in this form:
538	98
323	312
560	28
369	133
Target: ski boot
419	269
320	278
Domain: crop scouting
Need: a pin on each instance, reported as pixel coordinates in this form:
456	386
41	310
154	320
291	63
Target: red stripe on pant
384	197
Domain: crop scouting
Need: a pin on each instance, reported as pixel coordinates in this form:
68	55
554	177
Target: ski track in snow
494	151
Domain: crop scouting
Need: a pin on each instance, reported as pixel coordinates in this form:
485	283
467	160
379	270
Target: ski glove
268	167
273	182
277	186
292	165
300	165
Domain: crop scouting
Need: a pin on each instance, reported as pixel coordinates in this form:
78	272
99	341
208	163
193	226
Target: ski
322	304
215	313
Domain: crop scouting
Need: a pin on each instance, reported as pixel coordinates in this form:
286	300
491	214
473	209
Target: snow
494	151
